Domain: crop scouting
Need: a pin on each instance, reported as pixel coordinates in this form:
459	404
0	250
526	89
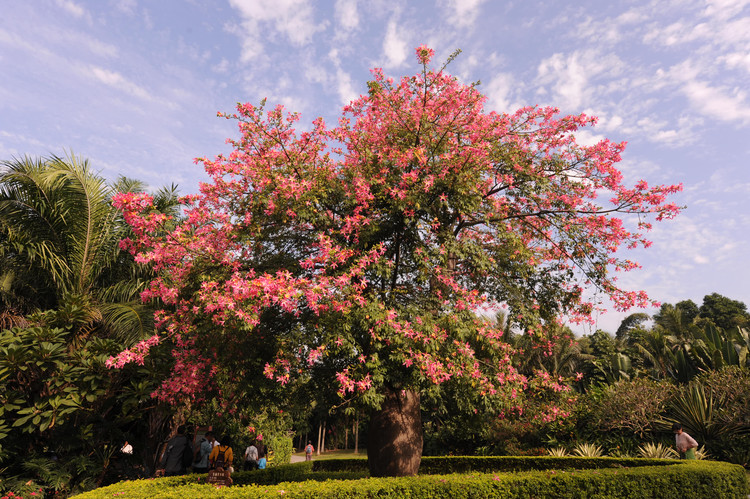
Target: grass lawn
335	454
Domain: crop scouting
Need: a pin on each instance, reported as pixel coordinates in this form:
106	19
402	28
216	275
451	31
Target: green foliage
614	368
702	453
713	348
632	321
437	465
657	451
696	410
72	300
560	478
585	449
282	448
731	386
724	312
625	407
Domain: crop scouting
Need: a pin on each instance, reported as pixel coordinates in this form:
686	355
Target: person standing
222	456
262	451
212	439
309	449
174	460
127	448
201	459
685	444
251	458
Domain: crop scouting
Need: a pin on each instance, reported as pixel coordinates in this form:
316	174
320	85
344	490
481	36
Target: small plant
558	452
588	450
701	453
621	453
657	451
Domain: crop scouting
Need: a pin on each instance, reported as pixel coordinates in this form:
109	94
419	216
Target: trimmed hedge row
667	479
298	472
433	465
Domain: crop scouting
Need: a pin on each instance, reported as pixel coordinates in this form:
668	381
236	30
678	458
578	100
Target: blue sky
135	85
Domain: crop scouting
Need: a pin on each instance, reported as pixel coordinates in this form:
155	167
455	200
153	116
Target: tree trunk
394	440
320	429
356	434
323	442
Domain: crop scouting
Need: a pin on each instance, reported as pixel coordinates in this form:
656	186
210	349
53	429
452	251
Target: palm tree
60	234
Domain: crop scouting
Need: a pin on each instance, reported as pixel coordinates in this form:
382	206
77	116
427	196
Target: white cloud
72	8
292	18
659	131
316	73
222	67
119	82
718	26
605	121
31	141
344	87
570	76
588	138
610	30
736	60
79	40
724	9
463	12
721	103
498	93
126	6
677	33
394	45
346	14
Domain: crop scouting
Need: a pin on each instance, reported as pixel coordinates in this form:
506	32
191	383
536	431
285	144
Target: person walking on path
309	449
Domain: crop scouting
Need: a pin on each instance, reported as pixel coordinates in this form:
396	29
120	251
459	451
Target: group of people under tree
207	454
255	457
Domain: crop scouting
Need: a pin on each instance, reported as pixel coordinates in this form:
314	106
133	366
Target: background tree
375	244
724	312
74	296
631	322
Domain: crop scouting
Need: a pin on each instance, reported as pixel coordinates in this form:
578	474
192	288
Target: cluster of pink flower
135	354
516	187
13	495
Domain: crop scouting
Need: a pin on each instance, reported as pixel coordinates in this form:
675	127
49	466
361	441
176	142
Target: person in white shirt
685	444
251	457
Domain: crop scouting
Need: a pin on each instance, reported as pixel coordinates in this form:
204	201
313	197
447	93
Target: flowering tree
376	244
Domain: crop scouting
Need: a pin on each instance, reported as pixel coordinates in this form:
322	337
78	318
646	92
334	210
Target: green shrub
585	449
657	478
282	448
439	465
657	451
625	407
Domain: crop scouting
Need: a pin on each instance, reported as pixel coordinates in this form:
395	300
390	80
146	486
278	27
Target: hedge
433	465
655	478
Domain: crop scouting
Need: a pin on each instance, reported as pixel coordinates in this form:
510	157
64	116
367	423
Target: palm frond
128	322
